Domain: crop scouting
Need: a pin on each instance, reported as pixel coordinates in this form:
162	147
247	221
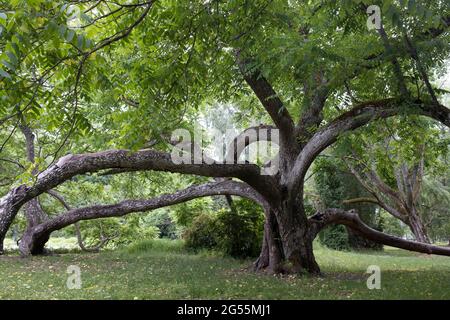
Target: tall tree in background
335	185
392	165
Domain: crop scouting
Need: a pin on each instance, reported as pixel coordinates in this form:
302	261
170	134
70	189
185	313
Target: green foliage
202	234
163	221
235	233
405	140
392	225
240	234
120	231
335	184
185	213
335	237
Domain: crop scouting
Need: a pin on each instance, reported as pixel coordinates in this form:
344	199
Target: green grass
162	270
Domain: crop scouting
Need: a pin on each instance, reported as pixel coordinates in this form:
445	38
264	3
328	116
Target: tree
392	168
157	59
334	184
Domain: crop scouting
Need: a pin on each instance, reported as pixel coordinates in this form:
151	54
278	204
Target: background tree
334	185
392	165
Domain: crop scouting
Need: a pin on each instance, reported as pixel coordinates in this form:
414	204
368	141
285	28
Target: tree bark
351	219
71	165
283	193
271	257
296	238
417	227
33	240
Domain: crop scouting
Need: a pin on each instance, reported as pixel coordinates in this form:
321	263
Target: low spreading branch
352	220
35	239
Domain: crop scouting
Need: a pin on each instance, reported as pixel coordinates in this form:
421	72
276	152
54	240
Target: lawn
163	270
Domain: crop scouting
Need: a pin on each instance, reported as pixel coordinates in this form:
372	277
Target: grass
163	270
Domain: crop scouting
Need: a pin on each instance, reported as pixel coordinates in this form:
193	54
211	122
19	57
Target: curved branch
352	220
72	165
263	132
351	120
38	235
103	240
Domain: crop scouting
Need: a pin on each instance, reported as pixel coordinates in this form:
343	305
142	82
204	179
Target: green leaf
4	74
12	57
69	35
8	65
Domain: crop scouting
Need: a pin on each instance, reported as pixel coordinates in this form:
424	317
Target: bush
335	237
240	234
202	233
235	233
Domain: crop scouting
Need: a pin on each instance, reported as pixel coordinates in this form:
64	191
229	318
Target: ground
160	269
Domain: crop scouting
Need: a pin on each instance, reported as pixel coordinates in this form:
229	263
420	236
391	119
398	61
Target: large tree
137	70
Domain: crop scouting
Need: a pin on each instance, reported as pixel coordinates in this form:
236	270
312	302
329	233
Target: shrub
335	237
236	233
202	233
240	234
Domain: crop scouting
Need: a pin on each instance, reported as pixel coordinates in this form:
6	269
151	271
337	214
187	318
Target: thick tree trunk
35	216
296	238
31	244
9	206
34	213
271	257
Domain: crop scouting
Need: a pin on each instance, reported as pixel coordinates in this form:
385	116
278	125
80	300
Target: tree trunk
31	244
33	210
297	240
417	227
271	256
9	206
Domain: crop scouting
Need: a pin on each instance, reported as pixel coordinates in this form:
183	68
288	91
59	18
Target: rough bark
281	194
35	239
417	227
71	165
272	256
296	239
351	219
